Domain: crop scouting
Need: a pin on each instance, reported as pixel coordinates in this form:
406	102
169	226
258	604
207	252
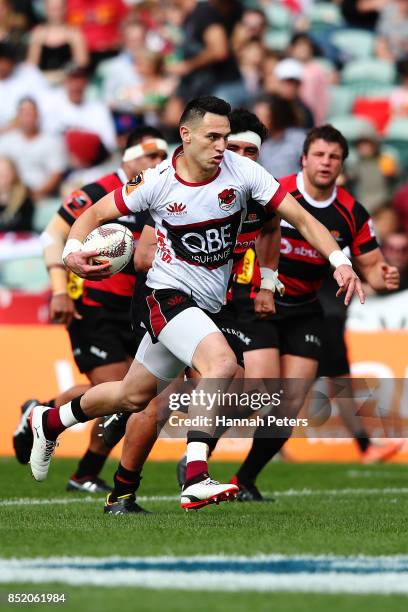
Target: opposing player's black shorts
334	362
293	330
102	337
155	308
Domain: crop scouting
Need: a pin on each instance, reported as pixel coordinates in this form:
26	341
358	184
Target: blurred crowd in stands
77	75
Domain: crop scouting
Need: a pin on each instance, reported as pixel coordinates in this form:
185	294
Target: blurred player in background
96	313
334	364
295	334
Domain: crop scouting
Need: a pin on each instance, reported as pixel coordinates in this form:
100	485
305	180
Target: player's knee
133	399
223	366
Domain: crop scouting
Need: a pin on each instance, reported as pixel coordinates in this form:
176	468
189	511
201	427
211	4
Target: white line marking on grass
303	573
374	474
335	492
27	501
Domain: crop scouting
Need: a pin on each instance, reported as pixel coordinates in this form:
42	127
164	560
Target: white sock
196	451
66	416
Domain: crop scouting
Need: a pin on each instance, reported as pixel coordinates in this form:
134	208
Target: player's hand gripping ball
115	245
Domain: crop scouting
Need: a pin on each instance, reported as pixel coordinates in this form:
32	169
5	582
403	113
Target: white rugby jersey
197	224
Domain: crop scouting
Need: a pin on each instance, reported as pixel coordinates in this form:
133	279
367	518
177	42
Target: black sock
262	451
77	411
125	481
50	403
362	440
90	465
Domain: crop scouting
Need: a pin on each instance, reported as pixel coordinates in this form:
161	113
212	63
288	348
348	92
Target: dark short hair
137	135
242	120
328	133
197	108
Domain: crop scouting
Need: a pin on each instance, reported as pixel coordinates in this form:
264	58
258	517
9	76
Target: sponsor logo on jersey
176	210
286	247
134	183
164	251
227	198
300	251
371	228
208	244
95	350
77	202
313	339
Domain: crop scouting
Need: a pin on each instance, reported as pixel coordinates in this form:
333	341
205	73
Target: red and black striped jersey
255	217
302	268
114	292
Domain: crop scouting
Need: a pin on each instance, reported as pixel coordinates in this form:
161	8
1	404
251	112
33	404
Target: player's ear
185	134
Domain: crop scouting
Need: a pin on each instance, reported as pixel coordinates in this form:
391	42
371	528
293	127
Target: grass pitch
313	509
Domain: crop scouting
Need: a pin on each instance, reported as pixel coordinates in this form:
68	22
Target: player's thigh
195	340
158	360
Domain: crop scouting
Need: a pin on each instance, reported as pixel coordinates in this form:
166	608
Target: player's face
207	141
149	160
323	163
246	149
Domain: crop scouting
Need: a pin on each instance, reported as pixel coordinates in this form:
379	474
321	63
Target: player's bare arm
62	307
267	248
321	239
375	270
146	248
79	261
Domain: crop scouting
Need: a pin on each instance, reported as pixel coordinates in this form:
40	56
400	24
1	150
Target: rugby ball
114	242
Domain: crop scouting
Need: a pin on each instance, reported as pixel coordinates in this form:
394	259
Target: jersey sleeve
364	239
264	188
135	195
80	200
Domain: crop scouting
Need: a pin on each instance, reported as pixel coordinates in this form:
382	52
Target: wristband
338	258
71	246
270	281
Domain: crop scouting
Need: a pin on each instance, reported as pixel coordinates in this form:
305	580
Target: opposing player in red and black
293	336
96	313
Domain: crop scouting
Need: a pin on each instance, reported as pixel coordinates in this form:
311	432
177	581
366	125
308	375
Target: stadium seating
24	274
353	43
277	40
341	98
279	18
353	127
43	212
323	15
366	76
396	136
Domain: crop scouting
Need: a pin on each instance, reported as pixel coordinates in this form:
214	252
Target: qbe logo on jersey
209	243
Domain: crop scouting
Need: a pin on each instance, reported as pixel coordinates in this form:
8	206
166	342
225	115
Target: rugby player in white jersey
197	202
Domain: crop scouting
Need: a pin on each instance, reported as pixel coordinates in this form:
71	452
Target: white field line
322	573
27	501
